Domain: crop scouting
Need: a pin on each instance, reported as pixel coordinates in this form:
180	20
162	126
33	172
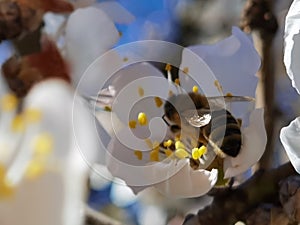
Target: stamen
142	118
107	108
229	94
195	89
156	146
125	59
43	144
154	156
141	91
202	150
167	143
9	102
218	86
168	67
138	154
32	115
179	144
177	81
132	124
195	153
35	169
149	143
6	190
18	124
181	153
158	102
168	152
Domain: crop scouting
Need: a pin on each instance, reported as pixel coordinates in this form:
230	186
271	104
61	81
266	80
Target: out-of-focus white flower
46	148
290	135
135	151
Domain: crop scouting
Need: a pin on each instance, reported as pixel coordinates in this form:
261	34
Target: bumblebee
219	129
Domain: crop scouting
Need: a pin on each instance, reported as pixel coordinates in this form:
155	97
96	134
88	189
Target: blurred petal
292	44
86	40
254	140
188	183
234	62
290	139
116	12
67	156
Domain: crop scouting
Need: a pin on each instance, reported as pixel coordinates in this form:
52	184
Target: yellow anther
168	152
168	67
154	156
195	89
125	59
177	81
168	143
17	124
156	145
32	115
107	108
202	150
229	94
218	85
195	153
149	143
142	118
181	153
43	144
9	102
177	137
179	144
35	169
141	91
186	70
132	124
158	102
6	190
138	154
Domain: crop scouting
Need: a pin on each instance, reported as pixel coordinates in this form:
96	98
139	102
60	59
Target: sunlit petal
290	139
254	140
292	44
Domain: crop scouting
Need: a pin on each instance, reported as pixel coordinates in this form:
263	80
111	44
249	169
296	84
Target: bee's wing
197	118
220	100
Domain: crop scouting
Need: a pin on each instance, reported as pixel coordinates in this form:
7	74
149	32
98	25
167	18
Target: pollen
43	144
168	67
132	124
107	108
181	153
156	145
170	93
125	59
142	118
158	102
177	81
141	91
138	154
186	70
195	89
6	190
195	153
202	150
154	156
167	143
168	152
179	145
32	115
17	124
35	169
229	94
9	102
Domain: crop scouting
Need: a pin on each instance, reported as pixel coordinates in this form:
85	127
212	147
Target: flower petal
188	183
254	139
290	139
86	40
292	44
233	61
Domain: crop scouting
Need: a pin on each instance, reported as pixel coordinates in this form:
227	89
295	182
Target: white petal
232	61
254	140
116	12
290	138
292	42
188	183
89	34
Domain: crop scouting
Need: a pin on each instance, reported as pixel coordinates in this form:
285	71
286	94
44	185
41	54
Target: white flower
290	135
47	147
140	88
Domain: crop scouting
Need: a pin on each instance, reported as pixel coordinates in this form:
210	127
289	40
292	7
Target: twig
261	22
93	217
232	205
